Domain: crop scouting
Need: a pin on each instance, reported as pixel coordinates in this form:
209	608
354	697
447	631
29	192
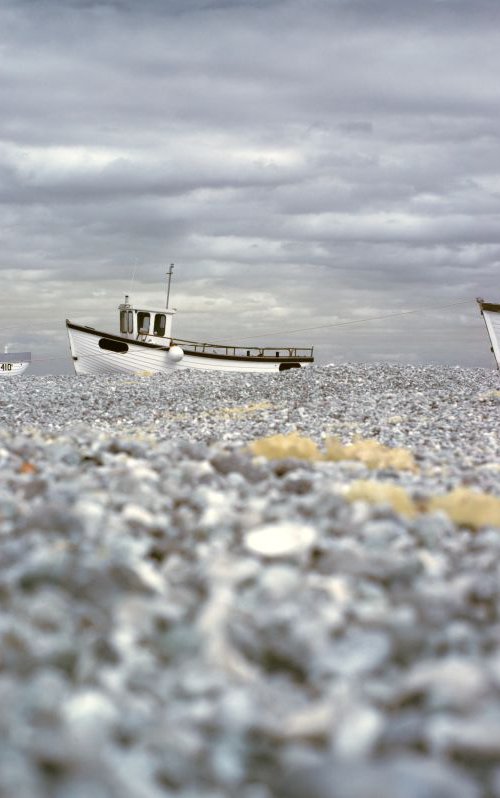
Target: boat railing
244	351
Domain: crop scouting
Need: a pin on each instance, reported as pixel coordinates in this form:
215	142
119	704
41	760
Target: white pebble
278	540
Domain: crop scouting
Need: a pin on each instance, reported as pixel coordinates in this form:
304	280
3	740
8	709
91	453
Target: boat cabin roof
144	309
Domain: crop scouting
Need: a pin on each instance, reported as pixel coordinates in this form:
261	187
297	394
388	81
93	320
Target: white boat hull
138	357
491	316
14	363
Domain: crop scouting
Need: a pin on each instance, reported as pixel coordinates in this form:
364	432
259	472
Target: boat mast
169	275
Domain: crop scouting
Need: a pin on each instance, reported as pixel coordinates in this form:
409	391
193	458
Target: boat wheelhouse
145	344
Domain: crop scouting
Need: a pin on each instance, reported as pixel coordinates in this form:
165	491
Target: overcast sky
304	163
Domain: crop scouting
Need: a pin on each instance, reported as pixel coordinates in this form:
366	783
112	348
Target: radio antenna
133	278
169	275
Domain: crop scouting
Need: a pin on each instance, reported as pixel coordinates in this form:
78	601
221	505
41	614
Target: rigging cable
358	321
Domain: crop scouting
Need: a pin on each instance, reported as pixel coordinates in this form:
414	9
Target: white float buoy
175	353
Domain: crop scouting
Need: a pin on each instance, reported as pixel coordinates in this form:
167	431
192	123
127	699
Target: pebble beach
231	586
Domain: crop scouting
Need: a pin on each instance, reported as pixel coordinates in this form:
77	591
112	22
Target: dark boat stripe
490	306
113	337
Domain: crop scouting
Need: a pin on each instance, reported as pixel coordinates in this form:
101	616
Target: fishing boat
13	363
491	315
145	345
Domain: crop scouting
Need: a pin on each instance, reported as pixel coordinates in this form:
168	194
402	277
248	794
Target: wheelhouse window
130	321
123	321
143	320
160	324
